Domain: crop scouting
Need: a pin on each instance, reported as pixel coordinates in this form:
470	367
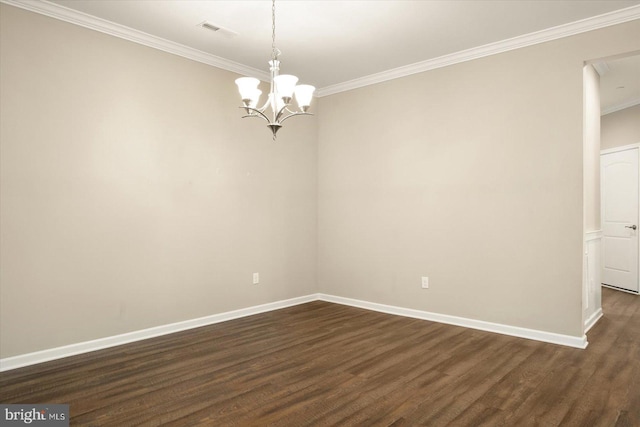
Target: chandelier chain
274	50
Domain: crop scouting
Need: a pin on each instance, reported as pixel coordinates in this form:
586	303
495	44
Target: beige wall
621	128
132	193
470	174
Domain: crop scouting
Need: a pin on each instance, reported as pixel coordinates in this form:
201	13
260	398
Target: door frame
617	150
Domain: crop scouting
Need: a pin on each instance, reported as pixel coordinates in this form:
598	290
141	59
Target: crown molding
560	31
621	106
56	11
62	13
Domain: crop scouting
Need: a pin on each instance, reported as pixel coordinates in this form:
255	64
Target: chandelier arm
277	116
264	106
289	111
282	111
295	114
286	109
259	114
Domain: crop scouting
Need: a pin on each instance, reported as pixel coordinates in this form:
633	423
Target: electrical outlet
425	282
256	278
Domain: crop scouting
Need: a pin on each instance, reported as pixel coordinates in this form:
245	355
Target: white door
619	187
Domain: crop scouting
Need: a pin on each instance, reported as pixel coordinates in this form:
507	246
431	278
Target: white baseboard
102	343
592	320
532	334
22	360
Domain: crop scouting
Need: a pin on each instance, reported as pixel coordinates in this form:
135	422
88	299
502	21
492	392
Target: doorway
620	182
619	175
611	122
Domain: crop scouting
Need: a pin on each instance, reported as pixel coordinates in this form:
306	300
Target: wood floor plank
323	364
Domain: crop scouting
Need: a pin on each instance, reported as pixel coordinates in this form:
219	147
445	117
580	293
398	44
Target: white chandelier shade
285	86
304	95
248	87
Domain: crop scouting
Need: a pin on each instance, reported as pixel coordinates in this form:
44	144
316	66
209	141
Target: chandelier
283	89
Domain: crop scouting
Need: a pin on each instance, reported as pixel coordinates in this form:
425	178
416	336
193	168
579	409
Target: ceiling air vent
218	29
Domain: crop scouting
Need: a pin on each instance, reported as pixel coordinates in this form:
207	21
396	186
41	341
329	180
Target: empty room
327	213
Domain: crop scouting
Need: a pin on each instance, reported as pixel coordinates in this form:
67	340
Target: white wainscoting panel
592	289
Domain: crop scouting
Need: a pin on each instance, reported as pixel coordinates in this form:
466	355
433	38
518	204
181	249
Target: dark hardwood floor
326	364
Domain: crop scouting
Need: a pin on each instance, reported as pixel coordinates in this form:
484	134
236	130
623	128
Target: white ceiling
620	83
339	45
